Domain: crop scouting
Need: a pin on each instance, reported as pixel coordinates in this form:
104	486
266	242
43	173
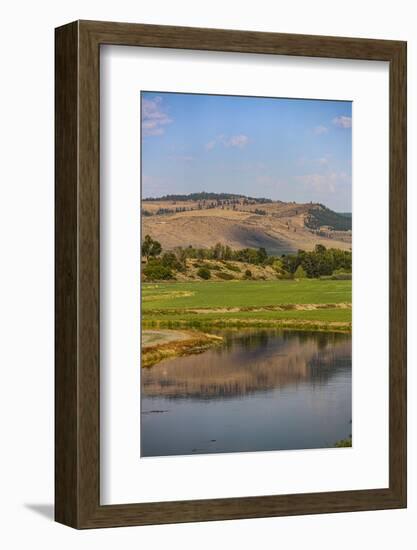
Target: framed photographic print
230	274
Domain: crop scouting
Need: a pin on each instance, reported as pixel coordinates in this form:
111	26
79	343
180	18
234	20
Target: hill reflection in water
250	361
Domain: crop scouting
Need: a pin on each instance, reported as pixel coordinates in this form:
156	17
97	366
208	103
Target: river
263	390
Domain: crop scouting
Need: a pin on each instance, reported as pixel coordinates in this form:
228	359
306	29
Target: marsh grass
344	442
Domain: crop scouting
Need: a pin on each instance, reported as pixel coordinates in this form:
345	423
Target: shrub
155	271
248	274
300	273
224	276
169	259
204	273
278	266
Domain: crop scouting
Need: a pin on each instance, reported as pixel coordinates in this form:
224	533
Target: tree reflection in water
251	361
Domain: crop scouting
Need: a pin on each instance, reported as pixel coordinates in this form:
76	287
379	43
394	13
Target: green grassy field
171	304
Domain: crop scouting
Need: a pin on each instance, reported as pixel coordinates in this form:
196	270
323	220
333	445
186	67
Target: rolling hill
204	219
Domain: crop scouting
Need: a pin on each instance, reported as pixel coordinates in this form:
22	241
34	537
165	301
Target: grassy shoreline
344	442
284	324
184	343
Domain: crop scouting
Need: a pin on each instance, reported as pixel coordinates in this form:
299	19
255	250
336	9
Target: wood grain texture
398	273
78	285
66	237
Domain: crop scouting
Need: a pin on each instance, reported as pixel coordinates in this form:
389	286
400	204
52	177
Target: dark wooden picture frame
77	371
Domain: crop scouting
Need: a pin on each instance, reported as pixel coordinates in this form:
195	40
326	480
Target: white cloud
320	130
239	140
154	118
342	121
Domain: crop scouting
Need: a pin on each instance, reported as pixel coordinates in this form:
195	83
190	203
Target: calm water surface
263	390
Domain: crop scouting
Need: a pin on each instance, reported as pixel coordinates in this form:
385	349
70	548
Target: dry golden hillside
277	226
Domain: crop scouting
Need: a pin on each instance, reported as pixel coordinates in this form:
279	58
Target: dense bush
300	273
204	273
251	255
169	259
155	271
321	261
248	274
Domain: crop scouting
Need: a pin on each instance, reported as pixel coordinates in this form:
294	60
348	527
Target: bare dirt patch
166	295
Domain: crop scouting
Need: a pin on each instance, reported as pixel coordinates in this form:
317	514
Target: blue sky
282	149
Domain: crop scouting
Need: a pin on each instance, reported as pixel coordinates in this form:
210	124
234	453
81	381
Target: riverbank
163	344
282	324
